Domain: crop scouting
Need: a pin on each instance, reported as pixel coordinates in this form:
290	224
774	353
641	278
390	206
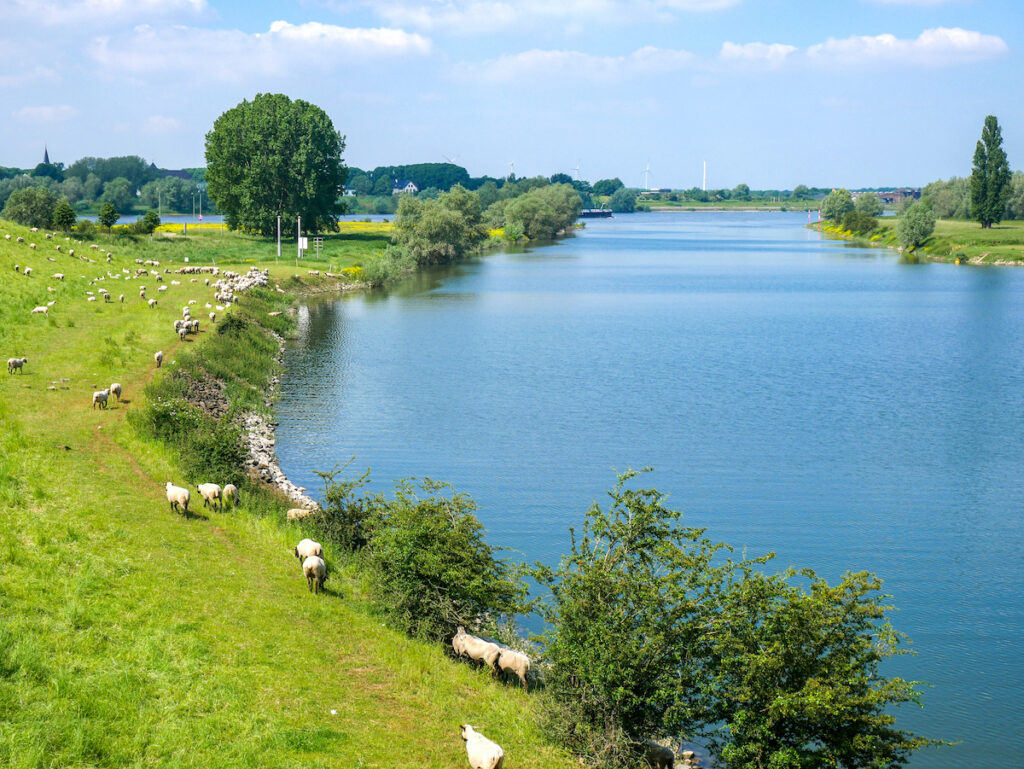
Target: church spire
46	155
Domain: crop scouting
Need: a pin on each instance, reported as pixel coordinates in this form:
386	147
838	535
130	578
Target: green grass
133	637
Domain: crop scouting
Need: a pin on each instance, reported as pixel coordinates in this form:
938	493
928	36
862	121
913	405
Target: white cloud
470	17
236	56
47	114
159	124
567	65
54	12
770	54
934	47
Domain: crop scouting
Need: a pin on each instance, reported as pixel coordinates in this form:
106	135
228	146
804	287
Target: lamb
512	661
307	548
159	358
42	310
482	752
231	492
211	495
15	364
99	398
467	645
115	390
316	573
178	497
658	756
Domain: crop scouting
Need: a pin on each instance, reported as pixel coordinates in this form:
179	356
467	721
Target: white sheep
162	288
482	752
121	298
307	548
58	275
28	271
31	245
213	317
40	310
467	645
178	497
658	756
512	661
90	299
99	398
231	493
211	495
316	573
115	390
298	513
152	302
158	356
15	364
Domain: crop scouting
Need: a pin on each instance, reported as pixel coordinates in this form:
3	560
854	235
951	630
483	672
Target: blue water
793	394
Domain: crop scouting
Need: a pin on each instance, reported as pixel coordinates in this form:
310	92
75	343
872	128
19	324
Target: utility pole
298	242
278	240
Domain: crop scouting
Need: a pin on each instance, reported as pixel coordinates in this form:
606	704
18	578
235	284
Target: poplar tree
990	179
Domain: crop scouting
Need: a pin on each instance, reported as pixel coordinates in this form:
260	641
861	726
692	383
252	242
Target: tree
622	201
441	230
32	206
741	192
543	212
560	178
836	204
990	178
120	193
275	157
54	171
651	631
64	215
108	215
800	192
868	204
949	199
147	224
1015	203
608	186
915	226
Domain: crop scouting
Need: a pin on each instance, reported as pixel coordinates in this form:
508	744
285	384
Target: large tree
837	204
275	157
990	179
31	206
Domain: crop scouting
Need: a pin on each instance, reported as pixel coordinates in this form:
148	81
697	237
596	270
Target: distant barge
595	213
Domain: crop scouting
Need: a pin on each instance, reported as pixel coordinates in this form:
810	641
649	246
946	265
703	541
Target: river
793	394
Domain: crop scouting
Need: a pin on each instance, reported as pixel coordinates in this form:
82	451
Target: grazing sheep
181	334
99	398
298	513
159	358
90	299
152	302
58	275
211	495
178	497
307	548
512	661
482	752
115	390
231	493
162	288
122	298
31	245
20	239
213	317
658	756
316	573
15	364
467	645
42	310
28	271
71	252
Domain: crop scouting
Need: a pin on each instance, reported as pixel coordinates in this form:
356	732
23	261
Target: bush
31	206
858	222
86	228
836	205
915	226
345	519
393	263
147	224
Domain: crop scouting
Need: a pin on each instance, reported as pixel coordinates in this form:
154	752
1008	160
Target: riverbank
133	635
953	241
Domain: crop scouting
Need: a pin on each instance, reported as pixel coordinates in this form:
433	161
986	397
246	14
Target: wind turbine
454	161
511	169
577	170
647	177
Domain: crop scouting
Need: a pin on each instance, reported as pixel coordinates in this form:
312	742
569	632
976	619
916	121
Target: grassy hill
131	636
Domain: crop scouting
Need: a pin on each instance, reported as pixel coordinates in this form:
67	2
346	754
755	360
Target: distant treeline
128	183
951	198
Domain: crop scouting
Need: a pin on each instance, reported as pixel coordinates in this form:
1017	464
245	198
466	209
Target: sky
769	93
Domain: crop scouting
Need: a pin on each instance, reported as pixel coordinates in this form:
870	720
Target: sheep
177	325
658	756
121	298
162	288
17	268
213	317
512	661
316	573
40	310
115	390
482	752
186	311
181	334
31	245
158	356
90	299
298	513
58	275
307	548
466	645
191	301
99	398
28	271
211	495
71	252
20	239
178	497
15	364
231	493
152	302
106	296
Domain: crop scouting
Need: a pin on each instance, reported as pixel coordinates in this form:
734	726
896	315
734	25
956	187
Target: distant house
406	186
899	195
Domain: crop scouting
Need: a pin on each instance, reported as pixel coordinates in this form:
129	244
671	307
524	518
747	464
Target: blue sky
771	93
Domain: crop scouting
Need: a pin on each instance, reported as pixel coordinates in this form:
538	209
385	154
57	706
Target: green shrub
344	518
858	222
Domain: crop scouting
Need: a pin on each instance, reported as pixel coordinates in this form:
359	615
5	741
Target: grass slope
133	637
954	239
